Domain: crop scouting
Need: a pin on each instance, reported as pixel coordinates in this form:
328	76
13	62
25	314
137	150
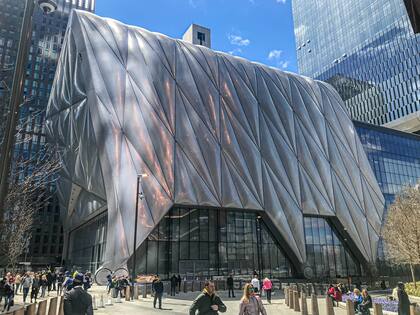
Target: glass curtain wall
211	242
326	253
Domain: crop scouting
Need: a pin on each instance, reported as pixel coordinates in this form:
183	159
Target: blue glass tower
368	51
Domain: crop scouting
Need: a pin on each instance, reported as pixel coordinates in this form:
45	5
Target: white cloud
283	64
300	32
238	40
274	54
281	1
235	51
252	1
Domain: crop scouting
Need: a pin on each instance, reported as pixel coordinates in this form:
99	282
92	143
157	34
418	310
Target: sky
258	30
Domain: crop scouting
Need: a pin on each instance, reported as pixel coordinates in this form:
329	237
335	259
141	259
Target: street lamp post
139	196
47	6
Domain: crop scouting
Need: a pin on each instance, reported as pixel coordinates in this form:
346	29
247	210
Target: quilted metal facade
209	129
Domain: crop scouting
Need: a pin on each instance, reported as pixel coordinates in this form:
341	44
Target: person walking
255	283
267	287
357	298
403	301
18	280
60	281
49	277
174	284
2	288
208	302
68	282
366	304
26	284
9	293
77	301
229	284
36	283
179	282
158	289
251	303
44	285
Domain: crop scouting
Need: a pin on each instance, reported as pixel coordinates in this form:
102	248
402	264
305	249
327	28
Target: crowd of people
35	285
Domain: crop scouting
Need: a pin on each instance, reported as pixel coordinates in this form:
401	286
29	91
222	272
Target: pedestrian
208	302
255	283
18	280
338	297
54	280
229	284
77	301
8	294
179	282
2	288
403	301
87	283
267	287
174	284
251	303
68	282
49	278
357	298
158	289
366	304
60	281
26	284
36	283
44	285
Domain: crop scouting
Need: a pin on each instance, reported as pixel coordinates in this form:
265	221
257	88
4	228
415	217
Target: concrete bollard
61	306
94	306
377	309
128	293
108	301
314	305
31	309
304	306
413	310
296	306
52	309
101	302
144	292
350	307
42	308
286	296
136	292
291	299
20	311
329	308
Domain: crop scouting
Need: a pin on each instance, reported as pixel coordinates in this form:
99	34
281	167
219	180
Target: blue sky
259	30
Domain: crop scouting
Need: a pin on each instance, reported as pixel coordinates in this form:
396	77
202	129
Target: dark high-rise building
48	31
368	51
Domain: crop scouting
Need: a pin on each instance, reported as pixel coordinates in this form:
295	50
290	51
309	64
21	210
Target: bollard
329	306
31	309
286	296
184	286
52	310
291	299
101	301
42	308
413	310
61	306
296	306
350	307
377	309
304	306
314	305
20	311
94	303
128	293
136	292
144	292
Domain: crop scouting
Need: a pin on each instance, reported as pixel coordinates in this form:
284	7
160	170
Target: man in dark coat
208	303
229	282
174	283
158	289
403	301
77	301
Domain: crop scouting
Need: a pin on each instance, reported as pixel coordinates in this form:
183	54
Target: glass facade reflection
394	157
211	242
326	253
367	50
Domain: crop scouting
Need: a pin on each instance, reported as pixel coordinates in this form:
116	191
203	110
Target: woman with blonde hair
251	304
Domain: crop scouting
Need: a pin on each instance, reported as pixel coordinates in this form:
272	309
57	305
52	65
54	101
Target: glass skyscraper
48	31
368	51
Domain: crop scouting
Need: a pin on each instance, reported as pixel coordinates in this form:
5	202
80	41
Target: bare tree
29	192
402	229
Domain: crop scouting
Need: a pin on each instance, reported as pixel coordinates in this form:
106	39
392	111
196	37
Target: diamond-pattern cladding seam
209	129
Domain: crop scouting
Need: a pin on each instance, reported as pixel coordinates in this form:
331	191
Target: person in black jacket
208	303
158	289
229	283
174	283
9	293
403	301
77	301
